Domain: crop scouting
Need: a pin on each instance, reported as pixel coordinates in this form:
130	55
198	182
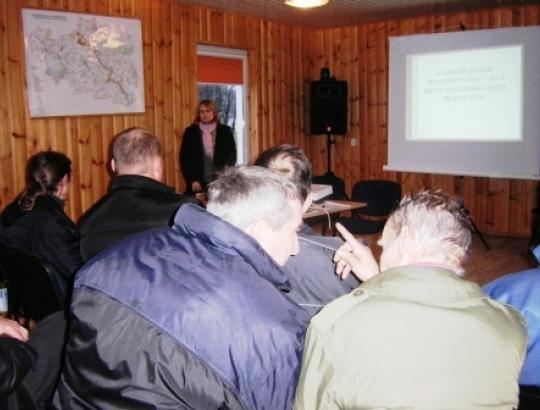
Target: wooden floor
506	255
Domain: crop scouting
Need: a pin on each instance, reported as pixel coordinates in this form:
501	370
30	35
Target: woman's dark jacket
45	231
192	153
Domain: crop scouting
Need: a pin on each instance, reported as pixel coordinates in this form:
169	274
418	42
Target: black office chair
535	237
337	184
34	289
381	197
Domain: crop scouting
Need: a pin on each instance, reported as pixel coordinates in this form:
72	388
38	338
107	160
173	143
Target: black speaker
329	107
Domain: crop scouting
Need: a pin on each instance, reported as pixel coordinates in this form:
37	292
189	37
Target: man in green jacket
416	335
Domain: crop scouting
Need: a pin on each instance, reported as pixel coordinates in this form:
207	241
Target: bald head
137	151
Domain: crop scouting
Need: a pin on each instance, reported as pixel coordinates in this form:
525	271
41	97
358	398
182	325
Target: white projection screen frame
466	103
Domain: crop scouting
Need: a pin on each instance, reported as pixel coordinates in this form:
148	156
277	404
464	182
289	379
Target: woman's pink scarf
208	141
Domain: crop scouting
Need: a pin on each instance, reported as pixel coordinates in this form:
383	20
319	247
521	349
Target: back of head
44	172
244	195
438	226
290	161
135	151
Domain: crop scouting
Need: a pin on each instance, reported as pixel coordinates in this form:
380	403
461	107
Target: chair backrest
381	196
337	183
34	290
529	398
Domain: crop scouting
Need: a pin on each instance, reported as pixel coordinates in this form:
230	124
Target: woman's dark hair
43	173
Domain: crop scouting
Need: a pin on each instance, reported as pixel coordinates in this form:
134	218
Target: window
221	77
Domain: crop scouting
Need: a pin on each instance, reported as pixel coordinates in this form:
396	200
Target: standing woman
207	147
35	221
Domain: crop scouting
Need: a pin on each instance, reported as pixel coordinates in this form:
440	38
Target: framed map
82	64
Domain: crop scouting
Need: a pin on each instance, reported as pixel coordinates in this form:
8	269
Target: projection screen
466	103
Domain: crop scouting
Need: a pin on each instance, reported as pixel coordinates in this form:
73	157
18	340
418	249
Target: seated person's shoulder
519	290
55	222
315	249
12	212
313	273
328	244
515	284
340	310
187	199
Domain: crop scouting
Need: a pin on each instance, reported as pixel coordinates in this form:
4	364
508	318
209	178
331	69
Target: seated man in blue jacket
311	272
193	316
522	291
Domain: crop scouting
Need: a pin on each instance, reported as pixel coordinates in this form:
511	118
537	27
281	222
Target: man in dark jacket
311	272
193	316
137	200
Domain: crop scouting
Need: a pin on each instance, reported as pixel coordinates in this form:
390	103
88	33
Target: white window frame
242	109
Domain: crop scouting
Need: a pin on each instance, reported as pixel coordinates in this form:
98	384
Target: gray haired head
438	225
292	162
243	195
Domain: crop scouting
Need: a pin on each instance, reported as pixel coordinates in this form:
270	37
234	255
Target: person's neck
442	263
412	258
140	174
445	266
61	201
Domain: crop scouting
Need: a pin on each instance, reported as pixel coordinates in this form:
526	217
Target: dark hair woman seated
35	222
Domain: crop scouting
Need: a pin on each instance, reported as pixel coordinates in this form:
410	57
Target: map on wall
82	64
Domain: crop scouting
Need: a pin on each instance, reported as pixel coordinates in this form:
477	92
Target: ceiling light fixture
306	4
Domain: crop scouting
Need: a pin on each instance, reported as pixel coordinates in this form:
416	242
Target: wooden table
328	211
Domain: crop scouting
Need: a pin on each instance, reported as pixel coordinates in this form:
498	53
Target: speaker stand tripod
459	192
329	142
475	228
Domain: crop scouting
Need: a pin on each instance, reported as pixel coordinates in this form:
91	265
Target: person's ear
404	243
113	165
307	203
257	230
157	168
62	189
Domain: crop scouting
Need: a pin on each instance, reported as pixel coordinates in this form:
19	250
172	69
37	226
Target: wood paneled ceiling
348	12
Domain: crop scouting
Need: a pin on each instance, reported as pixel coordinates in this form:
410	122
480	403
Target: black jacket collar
138	182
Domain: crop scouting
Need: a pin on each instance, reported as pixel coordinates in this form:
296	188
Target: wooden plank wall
282	61
359	55
171	32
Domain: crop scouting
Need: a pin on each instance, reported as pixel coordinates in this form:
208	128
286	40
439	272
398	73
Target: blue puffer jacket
191	317
522	291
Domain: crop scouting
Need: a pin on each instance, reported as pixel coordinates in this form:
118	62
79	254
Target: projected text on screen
473	95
